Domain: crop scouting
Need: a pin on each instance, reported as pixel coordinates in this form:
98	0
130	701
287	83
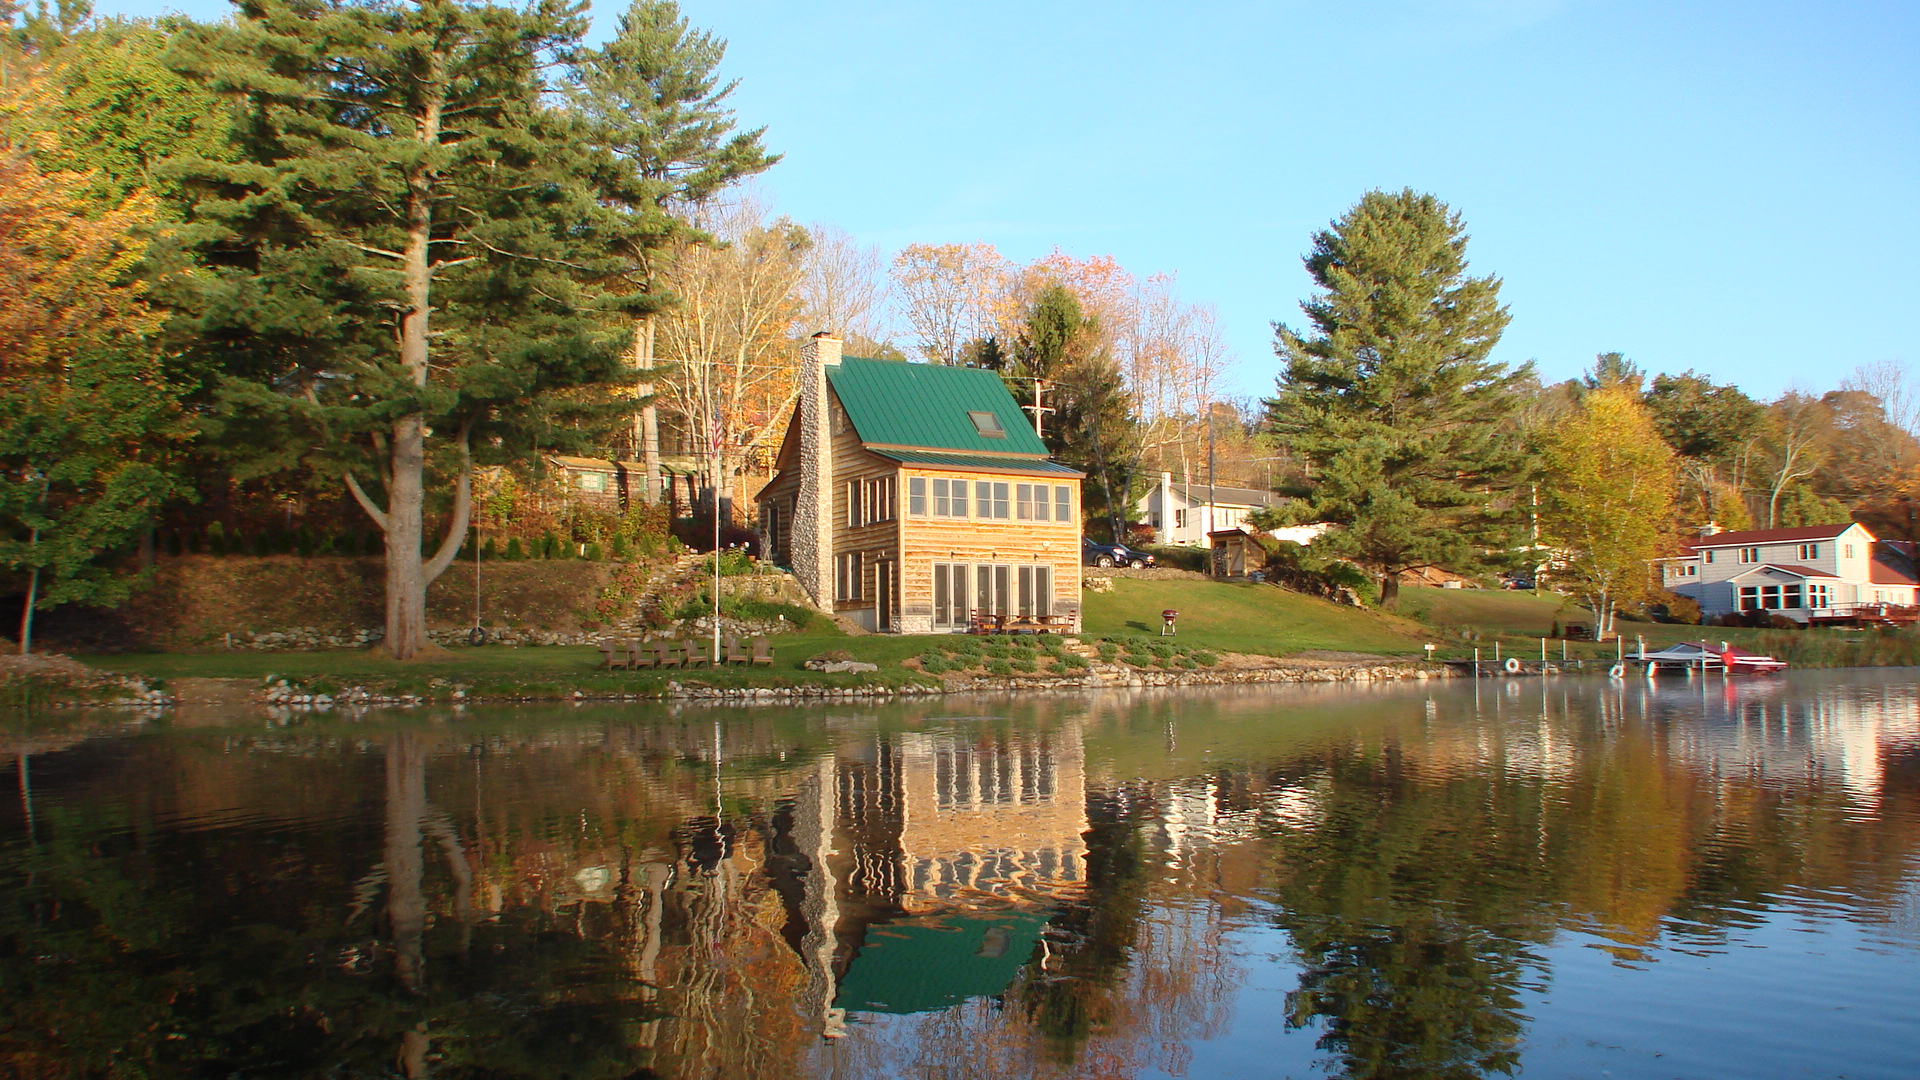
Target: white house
1186	513
1809	574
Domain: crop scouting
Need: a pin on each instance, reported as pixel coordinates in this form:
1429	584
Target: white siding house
1186	513
1812	573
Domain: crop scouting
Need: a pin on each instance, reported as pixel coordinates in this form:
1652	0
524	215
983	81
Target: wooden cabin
916	498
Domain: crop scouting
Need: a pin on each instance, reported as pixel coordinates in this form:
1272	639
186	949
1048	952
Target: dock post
1476	662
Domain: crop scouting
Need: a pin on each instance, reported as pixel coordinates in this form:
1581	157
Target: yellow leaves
1608	492
66	267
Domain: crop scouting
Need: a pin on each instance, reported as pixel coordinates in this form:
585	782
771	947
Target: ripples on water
1553	878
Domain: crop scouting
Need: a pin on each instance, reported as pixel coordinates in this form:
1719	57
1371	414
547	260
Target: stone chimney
812	538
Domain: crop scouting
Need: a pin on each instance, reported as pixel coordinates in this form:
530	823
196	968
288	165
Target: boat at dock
1689	656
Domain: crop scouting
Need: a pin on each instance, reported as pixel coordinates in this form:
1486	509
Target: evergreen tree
1390	395
1093	426
396	277
652	95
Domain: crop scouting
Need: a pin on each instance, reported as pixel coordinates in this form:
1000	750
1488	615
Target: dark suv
1095	553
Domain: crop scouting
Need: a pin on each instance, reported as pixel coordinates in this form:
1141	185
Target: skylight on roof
987	424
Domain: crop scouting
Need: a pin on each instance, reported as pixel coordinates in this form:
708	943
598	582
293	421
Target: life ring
1617	671
1513	665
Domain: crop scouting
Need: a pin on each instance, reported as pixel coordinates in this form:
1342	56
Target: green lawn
1246	618
501	671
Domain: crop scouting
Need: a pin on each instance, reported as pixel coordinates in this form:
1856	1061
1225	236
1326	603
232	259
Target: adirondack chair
640	655
668	653
762	652
612	657
697	655
736	652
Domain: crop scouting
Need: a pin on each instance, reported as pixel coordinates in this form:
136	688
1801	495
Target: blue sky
1727	187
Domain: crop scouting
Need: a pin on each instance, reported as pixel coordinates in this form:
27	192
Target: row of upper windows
1803	552
988	500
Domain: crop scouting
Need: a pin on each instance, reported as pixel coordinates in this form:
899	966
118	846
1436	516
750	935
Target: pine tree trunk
406	623
648	423
1389	589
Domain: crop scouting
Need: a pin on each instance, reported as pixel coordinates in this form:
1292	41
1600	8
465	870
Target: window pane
983	588
1000	508
1024	503
983	499
1043	590
1002	588
941	599
959	498
941	507
1026	590
1062	503
917	496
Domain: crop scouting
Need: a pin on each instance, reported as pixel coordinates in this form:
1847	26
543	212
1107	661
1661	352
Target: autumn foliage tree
87	416
1607	500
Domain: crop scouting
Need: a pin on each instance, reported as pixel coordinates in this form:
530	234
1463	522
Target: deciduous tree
1607	500
87	417
1390	393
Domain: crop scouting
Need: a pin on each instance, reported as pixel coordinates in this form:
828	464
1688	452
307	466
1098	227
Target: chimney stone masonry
812	537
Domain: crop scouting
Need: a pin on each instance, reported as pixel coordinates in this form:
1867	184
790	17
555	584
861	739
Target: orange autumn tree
86	414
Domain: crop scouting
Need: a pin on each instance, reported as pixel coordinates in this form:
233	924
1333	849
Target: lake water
1556	878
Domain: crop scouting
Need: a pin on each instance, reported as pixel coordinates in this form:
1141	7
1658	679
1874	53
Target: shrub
999	667
514	551
1024	664
1205	658
1108	651
1185	664
1139	661
933	665
593	552
1073	662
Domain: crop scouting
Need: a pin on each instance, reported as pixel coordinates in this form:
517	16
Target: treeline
1402	430
324	265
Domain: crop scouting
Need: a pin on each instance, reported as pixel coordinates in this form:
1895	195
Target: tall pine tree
653	96
1390	395
399	272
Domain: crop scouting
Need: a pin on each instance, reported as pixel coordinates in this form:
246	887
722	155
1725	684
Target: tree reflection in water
591	896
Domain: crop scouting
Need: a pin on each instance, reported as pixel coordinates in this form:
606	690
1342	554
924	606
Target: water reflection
1101	886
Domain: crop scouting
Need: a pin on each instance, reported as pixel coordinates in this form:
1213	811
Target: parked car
1097	553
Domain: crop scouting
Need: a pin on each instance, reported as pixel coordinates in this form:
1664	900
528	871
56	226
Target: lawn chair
613	658
697	655
736	652
762	652
640	655
668	653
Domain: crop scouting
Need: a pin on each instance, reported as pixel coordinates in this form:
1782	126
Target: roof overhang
985	463
1802	572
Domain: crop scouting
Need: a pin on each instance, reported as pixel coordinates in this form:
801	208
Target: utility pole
1037	409
1211	504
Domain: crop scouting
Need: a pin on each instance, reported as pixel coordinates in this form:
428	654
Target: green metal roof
894	403
929	963
980	462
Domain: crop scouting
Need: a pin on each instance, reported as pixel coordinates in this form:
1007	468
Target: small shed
1236	553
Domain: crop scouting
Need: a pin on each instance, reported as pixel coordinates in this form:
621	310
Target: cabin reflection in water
938	852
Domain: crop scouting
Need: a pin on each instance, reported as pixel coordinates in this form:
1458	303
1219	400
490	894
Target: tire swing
1513	665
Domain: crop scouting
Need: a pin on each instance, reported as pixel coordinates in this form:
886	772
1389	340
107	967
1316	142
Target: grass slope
1246	618
497	671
